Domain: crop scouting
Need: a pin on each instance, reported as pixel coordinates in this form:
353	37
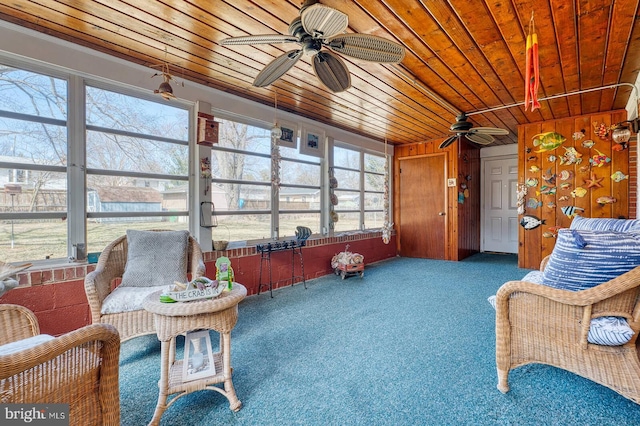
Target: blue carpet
411	343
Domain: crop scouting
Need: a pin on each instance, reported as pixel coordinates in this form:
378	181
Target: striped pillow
609	331
604	224
584	259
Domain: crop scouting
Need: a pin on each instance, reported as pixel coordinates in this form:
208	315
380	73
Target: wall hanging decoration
599	159
571	211
601	129
579	192
605	200
333	197
534	169
165	90
207	129
571	156
549	176
532	69
565	185
533	203
520	196
531	182
547	190
312	141
620	135
578	135
275	164
552	158
619	176
205	172
589	143
593	181
564	198
548	141
566	174
530	222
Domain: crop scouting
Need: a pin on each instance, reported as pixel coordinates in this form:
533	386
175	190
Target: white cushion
21	345
609	331
155	258
127	299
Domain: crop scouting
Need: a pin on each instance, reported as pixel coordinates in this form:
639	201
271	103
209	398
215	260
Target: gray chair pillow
155	258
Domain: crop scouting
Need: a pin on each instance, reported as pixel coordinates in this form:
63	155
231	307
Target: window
360	189
137	165
33	154
136	170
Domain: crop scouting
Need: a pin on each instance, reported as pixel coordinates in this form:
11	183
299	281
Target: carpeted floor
411	343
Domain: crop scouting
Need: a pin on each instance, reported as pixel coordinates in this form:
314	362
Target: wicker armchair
105	278
540	324
79	368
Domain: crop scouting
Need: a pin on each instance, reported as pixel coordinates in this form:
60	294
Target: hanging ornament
386	227
532	69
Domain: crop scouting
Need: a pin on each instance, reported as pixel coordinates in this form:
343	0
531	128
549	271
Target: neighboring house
123	199
299	199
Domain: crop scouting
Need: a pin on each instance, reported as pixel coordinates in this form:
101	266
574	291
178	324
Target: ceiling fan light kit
478	135
319	27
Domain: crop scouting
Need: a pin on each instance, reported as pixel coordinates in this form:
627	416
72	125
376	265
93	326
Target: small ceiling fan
477	135
318	27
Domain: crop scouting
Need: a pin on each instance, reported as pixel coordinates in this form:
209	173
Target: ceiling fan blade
448	141
367	48
490	131
259	39
276	68
332	71
480	138
322	21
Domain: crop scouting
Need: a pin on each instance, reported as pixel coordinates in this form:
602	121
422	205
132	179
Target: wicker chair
79	368
539	324
104	279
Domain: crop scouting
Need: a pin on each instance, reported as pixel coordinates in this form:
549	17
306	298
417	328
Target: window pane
30	191
347	222
25	240
346	158
242	227
347	179
244	137
108	151
119	194
237	166
28	142
373	182
103	231
299	199
347	200
295	173
373	201
373	220
294	154
373	163
289	222
239	196
123	112
25	92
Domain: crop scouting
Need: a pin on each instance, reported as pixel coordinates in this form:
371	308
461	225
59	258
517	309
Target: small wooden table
171	319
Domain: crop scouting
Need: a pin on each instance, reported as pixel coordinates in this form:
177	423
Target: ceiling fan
318	27
477	135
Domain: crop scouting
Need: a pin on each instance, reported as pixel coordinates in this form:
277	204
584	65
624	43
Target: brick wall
57	295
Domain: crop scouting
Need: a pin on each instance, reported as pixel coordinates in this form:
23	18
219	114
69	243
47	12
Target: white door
500	214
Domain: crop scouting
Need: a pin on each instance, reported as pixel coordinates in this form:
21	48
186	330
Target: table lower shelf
177	384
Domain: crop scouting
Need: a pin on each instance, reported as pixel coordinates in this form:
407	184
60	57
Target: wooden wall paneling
550	179
529	248
452	203
469	211
619	162
602	146
582	170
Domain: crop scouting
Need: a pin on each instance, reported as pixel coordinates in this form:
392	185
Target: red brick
63	320
69	294
58	275
47	276
35	278
69	273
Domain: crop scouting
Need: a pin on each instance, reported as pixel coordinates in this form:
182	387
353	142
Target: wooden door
423	207
500	211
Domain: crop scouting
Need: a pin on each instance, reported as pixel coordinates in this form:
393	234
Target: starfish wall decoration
593	181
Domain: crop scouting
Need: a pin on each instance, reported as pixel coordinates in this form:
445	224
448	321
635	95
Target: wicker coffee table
171	319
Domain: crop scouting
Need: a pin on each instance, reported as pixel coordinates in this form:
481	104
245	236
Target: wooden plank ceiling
471	53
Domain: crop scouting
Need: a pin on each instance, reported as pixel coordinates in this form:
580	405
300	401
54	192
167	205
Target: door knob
441	214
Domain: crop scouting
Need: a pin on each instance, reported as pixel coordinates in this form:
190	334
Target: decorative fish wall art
619	176
571	211
605	200
548	141
571	156
599	159
530	222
